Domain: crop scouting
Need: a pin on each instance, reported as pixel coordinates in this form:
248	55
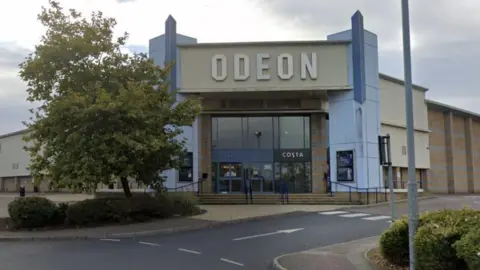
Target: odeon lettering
284	62
292	154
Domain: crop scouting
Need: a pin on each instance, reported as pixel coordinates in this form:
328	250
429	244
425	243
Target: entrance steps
273	199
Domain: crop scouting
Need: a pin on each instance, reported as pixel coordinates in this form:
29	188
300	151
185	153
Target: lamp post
412	183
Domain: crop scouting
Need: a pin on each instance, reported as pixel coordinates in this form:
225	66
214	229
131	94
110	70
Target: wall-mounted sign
345	166
292	155
263	62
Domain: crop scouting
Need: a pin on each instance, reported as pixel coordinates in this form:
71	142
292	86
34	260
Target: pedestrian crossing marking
377	218
333	213
355	215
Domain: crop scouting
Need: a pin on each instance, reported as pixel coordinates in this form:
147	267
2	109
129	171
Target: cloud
125	1
445	38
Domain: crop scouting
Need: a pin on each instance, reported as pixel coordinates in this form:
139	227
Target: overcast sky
445	36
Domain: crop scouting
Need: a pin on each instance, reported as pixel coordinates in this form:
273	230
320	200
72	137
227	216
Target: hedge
38	212
468	248
32	212
439	232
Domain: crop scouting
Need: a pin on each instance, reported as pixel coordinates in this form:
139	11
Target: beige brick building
454	149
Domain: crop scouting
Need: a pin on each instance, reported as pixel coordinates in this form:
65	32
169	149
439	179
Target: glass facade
261	152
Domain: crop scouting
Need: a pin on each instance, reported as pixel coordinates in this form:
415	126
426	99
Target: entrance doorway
235	177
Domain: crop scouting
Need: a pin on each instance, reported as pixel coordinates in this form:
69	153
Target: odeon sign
242	72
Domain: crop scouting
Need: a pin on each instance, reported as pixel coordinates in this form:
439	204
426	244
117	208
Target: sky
445	36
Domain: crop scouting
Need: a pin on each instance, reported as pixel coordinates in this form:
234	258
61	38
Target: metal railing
284	192
359	192
190	187
247	189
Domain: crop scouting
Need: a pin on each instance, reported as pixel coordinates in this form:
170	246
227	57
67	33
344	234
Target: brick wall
454	153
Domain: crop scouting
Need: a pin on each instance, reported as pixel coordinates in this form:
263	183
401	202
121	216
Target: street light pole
412	182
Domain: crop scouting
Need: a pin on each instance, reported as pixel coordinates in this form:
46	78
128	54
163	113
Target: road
249	245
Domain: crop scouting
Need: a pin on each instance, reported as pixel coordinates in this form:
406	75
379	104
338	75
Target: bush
185	205
434	248
138	208
32	212
394	243
468	248
93	211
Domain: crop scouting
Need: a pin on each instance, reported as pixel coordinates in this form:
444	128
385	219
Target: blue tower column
355	115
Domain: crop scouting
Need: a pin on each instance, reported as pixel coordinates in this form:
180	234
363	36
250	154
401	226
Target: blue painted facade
355	115
163	49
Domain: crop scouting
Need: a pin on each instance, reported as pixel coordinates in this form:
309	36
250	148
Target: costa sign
285	69
292	155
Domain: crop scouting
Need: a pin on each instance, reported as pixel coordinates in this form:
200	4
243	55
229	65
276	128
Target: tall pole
412	182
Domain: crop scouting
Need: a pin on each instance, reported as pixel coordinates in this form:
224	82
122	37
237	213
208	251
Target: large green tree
104	115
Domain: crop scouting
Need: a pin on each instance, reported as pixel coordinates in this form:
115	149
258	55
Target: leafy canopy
104	114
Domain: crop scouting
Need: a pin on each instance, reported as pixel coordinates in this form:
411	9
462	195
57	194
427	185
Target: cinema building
291	114
282	113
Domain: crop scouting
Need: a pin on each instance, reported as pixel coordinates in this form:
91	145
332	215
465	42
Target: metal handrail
284	192
190	187
359	191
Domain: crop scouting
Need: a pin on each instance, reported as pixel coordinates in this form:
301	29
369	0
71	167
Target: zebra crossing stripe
355	215
377	218
333	213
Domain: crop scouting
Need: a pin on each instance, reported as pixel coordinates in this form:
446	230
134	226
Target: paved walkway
345	256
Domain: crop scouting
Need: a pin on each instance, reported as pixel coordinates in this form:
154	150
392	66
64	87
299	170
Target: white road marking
377	218
232	262
333	213
355	215
149	244
267	234
189	251
110	239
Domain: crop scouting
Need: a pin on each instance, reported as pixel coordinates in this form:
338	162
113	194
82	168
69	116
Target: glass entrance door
295	175
260	175
230	178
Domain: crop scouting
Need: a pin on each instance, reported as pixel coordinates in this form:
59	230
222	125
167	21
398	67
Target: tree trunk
126	188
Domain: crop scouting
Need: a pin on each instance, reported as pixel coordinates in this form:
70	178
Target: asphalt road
249	245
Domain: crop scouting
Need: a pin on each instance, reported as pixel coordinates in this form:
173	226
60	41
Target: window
229	132
230	170
15	166
294	132
259	133
404	150
185	172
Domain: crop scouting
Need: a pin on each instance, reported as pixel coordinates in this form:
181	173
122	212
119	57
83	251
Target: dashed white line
189	251
149	244
355	215
110	239
231	262
377	218
333	213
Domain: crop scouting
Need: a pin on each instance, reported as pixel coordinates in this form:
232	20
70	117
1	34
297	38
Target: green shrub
32	212
394	243
138	208
185	205
60	213
434	248
95	211
468	248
